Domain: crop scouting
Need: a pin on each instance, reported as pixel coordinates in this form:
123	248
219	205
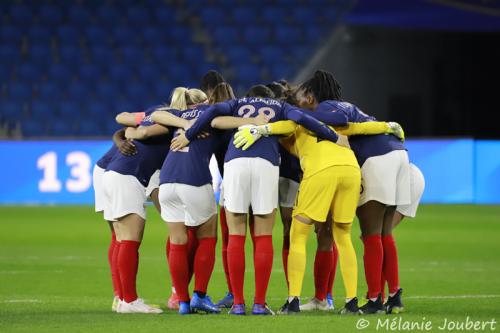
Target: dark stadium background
67	67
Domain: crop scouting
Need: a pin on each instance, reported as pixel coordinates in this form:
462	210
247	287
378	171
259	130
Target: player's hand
203	135
396	130
127	147
130	133
261	119
246	136
179	142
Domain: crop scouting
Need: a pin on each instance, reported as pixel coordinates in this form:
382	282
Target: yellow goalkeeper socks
297	256
347	257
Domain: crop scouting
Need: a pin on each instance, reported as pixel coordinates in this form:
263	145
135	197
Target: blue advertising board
60	172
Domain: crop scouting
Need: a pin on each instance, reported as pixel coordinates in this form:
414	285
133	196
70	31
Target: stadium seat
272	54
125	35
276	16
70	55
19	90
67	34
248	73
163	14
90	128
78	91
101	53
148	73
280	71
69	109
79	15
225	35
60	72
62	128
244	16
40	55
108	15
20	14
153	36
49	90
10	34
41	110
239	54
179	34
209	15
132	54
33	128
38	34
193	54
287	35
304	15
256	35
120	73
96	35
90	72
28	72
97	109
164	54
50	15
11	110
137	15
106	90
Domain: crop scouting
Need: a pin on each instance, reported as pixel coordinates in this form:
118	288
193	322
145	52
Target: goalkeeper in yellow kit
331	183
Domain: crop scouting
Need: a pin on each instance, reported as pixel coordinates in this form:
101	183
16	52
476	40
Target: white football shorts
417	186
124	195
97	175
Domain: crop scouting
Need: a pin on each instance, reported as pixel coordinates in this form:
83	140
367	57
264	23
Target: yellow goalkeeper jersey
316	154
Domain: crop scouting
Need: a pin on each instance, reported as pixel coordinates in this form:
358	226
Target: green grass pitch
54	275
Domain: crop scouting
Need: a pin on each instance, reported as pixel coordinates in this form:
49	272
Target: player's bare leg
286	219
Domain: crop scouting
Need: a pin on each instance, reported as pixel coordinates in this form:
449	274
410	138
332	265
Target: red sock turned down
128	262
204	263
373	260
284	256
322	269
225	240
192	245
263	265
236	264
179	270
331	277
390	266
115	272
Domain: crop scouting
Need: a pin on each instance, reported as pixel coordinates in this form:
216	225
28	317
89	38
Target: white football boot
115	304
137	306
316	304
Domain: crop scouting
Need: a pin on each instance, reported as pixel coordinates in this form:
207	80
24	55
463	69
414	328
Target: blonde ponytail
178	100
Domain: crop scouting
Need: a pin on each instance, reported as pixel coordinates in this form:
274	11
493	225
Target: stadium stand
68	67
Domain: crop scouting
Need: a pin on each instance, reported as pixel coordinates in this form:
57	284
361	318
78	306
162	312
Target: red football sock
322	269
390	265
225	240
204	261
263	265
284	256
192	245
179	270
128	262
115	271
331	278
382	283
373	259
236	264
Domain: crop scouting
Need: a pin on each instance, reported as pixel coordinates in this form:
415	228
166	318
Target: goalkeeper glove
396	130
248	134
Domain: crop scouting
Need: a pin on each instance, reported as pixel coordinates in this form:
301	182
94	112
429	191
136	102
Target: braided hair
323	86
260	90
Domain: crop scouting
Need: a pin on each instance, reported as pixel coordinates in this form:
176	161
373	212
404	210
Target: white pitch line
21	301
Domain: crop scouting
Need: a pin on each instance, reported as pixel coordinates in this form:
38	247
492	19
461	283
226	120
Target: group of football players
302	149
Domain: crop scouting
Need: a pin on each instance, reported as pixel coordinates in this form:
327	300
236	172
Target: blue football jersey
107	157
250	107
191	164
364	146
290	166
150	154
